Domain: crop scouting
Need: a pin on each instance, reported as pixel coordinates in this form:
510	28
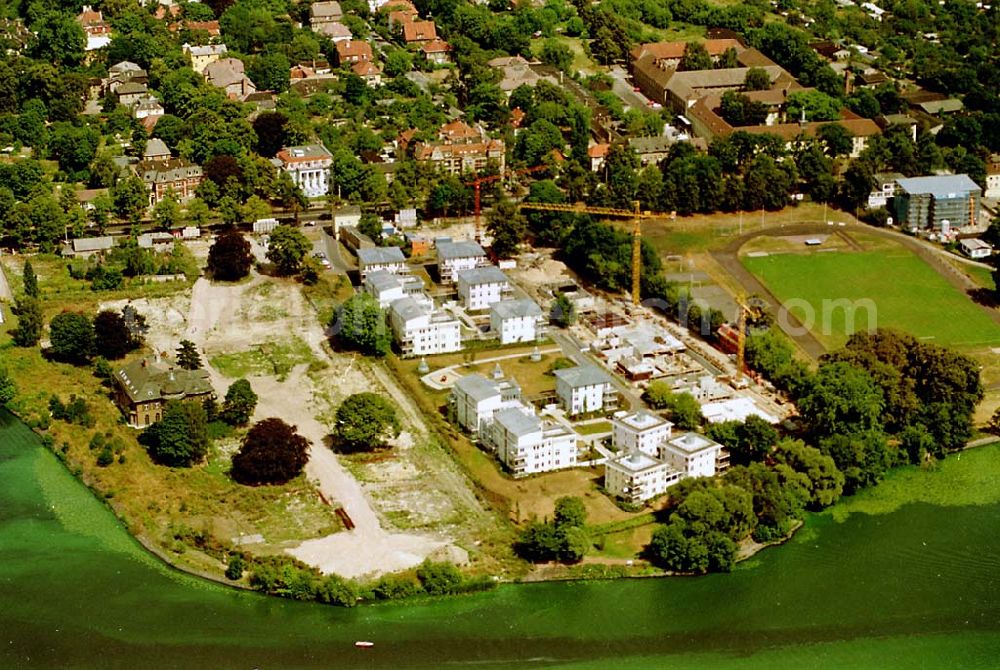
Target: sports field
886	288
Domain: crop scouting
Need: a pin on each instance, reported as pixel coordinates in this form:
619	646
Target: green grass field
893	288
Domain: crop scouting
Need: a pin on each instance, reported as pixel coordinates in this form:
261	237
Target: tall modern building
938	202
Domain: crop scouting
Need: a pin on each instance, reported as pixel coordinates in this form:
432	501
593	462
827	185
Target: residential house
940	203
585	389
454	257
348	215
516	72
321	13
147	107
210	28
597	154
401	16
419	32
176	176
651	150
142	389
203	56
476	399
124	72
130	93
422	330
461	148
308	166
886	187
335	31
516	320
369	72
975	248
229	74
85	247
353	51
480	287
390	259
527	445
388	287
436	51
694	455
98	32
993	177
635	477
156	150
640	431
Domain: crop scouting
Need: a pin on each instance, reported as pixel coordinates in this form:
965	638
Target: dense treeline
885	399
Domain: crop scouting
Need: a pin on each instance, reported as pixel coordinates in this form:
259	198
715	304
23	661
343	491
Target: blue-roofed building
939	203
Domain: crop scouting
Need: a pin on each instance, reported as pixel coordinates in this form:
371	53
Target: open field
892	288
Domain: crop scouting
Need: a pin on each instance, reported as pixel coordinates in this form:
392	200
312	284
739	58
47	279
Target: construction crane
746	310
635	214
479	181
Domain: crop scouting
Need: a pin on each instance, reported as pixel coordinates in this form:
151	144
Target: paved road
623	88
338	263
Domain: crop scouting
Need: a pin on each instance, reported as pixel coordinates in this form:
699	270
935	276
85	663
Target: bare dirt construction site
407	503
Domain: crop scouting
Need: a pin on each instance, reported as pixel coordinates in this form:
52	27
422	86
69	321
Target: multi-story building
369	72
461	148
390	259
480	287
229	74
321	13
516	320
353	51
454	257
142	389
640	431
419	32
164	175
387	287
585	389
940	203
422	330
636	477
98	32
527	445
477	399
308	166
436	51
203	56
693	455
993	177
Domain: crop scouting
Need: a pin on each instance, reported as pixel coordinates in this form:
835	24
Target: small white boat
364	644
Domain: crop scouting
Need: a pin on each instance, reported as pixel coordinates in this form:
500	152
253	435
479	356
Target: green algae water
912	588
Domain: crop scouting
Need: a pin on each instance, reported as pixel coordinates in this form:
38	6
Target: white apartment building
585	389
477	399
478	288
636	477
640	431
387	287
308	166
527	445
422	330
203	56
692	454
454	257
516	320
372	259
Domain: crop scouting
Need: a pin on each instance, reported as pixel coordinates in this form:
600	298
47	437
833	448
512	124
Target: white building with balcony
308	166
640	431
585	389
373	259
636	477
693	455
477	399
480	287
387	287
528	445
421	329
516	320
454	257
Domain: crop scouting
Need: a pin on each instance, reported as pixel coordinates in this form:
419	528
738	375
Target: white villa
477	399
372	259
453	257
387	287
636	477
694	455
516	320
640	431
308	166
527	445
421	330
480	287
585	389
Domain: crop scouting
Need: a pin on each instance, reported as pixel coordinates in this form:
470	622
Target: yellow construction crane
635	214
746	310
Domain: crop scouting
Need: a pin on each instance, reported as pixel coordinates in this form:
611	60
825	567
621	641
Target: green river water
915	588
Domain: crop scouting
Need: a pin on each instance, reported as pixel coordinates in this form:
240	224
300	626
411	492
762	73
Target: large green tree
287	248
29	321
180	438
229	257
507	228
112	337
272	453
365	421
239	404
71	337
841	399
360	325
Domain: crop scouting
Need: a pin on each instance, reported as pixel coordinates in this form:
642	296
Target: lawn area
888	288
581	61
595	428
266	358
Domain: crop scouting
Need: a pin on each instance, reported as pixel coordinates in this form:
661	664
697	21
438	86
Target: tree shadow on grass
984	297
